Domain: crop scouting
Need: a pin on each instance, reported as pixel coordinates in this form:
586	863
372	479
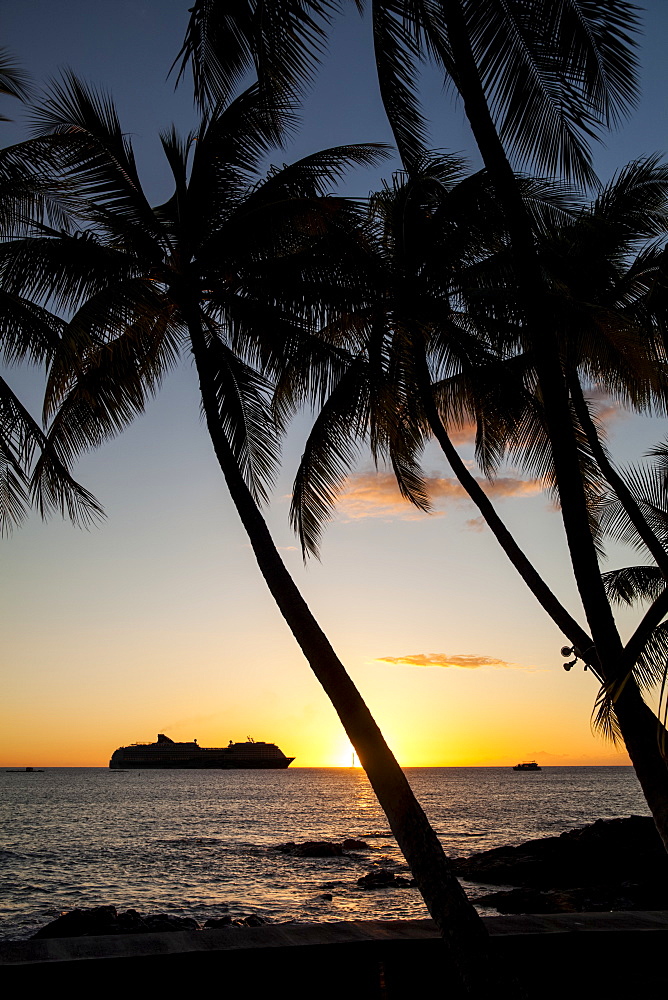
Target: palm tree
599	70
553	73
438	270
234	269
30	334
539	79
438	246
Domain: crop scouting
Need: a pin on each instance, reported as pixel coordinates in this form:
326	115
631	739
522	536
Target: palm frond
177	151
312	366
14	493
660	452
397	57
13	80
88	147
632	584
96	389
54	491
237	135
604	721
27	331
634	204
651	664
331	450
316	175
62	271
556	75
45	485
31	191
281	41
245	415
647	485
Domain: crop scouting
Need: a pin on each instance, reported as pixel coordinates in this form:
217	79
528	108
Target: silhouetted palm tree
439	350
441	341
539	79
235	269
30	334
553	72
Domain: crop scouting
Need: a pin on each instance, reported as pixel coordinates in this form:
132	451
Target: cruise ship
165	753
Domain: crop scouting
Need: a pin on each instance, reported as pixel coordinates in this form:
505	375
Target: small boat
27	770
527	765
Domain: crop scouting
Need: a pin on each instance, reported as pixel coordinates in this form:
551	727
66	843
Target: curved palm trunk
463	932
640	729
544	344
643	731
534	581
647	760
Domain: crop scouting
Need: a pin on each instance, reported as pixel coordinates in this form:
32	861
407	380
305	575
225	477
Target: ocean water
199	843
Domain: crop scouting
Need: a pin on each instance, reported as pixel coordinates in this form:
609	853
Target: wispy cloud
606	408
465	661
376	495
475	524
463	435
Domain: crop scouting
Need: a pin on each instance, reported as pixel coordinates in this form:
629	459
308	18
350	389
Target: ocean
200	843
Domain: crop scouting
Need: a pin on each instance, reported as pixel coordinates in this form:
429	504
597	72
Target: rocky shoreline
617	864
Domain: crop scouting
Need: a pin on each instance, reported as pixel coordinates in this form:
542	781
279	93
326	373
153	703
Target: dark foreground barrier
556	957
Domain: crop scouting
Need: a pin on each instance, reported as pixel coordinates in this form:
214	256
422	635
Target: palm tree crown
554	72
130	277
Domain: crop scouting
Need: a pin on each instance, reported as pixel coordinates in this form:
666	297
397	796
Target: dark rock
311	849
169	922
252	920
130	922
382	878
355	845
107	920
321	848
590	899
327	897
530	901
218	921
82	923
617	849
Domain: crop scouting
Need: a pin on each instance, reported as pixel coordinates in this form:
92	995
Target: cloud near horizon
377	495
463	661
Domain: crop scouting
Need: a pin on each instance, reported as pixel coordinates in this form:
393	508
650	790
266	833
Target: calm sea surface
198	843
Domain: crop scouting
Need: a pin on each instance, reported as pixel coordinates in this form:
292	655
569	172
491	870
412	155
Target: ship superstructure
165	753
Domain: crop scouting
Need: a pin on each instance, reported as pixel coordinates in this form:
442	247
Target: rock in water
607	851
311	849
383	878
107	920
